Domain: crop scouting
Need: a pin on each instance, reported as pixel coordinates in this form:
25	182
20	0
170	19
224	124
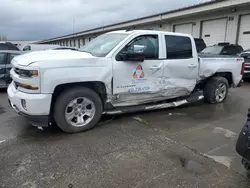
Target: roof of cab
150	32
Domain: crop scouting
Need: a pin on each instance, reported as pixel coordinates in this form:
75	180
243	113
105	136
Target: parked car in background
243	143
246	55
200	44
223	49
118	72
39	47
5	66
8	46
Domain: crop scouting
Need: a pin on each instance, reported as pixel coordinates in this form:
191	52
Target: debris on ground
140	120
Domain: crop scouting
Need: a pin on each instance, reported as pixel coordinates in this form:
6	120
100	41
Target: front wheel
78	109
216	90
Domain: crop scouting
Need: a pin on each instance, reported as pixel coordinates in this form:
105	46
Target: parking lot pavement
168	148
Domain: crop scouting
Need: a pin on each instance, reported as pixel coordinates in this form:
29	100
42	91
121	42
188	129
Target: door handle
192	66
155	67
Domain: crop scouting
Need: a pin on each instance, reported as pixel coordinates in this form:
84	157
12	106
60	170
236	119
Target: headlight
26	73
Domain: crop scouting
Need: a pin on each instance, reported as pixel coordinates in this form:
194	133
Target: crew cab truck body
118	72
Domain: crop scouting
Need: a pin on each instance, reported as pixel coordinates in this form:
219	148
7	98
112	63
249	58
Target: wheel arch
227	75
97	86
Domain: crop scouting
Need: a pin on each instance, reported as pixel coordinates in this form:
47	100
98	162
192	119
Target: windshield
103	44
212	50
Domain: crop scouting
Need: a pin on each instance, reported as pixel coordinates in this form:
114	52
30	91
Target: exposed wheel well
227	75
98	87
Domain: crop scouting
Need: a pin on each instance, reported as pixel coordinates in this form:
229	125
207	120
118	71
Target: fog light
23	102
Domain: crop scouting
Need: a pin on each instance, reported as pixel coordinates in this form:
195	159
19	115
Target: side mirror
138	48
135	53
133	56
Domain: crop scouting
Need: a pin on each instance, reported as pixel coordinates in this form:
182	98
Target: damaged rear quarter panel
210	66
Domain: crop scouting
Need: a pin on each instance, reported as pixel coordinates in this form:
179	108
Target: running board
148	107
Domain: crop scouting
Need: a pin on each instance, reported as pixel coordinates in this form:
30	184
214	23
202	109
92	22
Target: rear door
180	67
3	59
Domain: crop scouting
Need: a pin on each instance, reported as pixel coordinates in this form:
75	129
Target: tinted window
2	56
213	50
27	48
8	46
200	44
178	47
231	50
150	43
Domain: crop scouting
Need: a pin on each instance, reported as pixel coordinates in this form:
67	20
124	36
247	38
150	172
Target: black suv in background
200	44
5	66
8	46
246	55
223	49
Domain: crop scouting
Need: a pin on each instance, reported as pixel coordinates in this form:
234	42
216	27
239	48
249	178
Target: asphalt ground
191	146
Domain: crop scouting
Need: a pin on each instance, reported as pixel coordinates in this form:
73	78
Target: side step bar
148	107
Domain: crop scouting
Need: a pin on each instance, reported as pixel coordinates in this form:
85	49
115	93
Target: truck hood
32	57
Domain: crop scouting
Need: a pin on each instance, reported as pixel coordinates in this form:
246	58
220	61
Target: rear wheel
216	90
78	109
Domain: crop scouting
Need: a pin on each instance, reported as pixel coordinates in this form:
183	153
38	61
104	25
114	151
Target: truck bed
209	64
202	55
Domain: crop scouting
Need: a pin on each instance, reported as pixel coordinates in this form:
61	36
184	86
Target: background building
214	21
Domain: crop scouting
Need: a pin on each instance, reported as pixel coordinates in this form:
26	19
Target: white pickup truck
118	72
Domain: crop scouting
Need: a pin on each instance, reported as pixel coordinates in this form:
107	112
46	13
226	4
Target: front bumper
37	106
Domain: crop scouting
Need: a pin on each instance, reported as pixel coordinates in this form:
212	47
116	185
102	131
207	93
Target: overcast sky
43	19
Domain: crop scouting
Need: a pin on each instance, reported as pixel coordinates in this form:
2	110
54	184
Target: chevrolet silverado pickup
118	72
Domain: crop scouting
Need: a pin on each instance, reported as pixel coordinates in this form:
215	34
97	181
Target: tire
210	93
69	99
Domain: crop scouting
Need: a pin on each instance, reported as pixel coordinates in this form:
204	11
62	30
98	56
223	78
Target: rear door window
178	47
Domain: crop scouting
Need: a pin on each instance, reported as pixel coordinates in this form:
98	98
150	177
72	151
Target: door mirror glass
131	56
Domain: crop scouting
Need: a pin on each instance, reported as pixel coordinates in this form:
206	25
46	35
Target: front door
138	82
3	58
